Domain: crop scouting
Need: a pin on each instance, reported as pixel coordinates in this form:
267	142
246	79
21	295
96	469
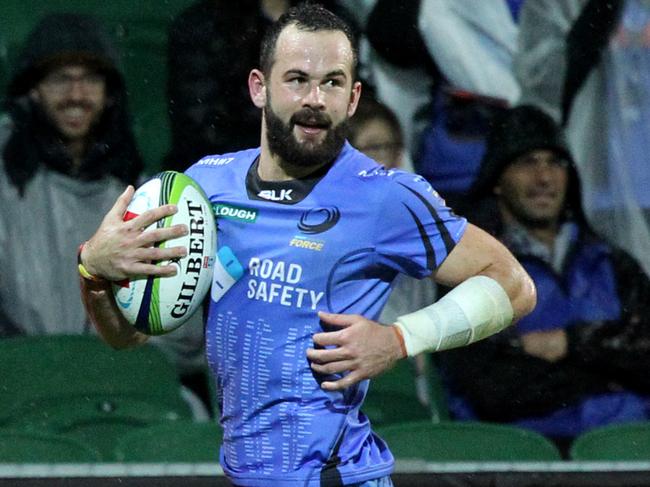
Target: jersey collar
284	192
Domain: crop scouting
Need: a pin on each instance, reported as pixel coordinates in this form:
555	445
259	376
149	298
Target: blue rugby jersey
332	242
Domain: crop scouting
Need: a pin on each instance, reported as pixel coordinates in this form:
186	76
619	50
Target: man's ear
257	88
355	95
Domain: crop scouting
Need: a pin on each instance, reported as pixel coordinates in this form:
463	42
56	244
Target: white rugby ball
158	305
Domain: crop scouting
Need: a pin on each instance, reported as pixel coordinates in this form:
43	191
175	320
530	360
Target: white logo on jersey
377	171
216	161
271	194
279	282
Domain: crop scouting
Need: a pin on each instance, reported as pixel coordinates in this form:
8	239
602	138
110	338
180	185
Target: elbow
527	296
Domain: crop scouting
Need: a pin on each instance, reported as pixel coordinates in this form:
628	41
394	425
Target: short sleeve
416	231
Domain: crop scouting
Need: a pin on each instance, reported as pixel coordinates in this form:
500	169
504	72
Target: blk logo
273	195
319	220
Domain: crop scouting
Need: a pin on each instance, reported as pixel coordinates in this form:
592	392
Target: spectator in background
580	359
67	152
213	45
375	131
445	68
587	63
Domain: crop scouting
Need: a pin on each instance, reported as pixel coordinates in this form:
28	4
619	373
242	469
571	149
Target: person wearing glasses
579	360
67	150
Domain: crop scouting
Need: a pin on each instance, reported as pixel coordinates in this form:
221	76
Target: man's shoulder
398	184
364	169
224	162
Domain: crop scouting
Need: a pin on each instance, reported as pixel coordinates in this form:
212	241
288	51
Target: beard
531	219
283	143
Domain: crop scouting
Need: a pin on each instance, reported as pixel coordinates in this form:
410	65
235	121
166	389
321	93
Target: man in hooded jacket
580	359
67	151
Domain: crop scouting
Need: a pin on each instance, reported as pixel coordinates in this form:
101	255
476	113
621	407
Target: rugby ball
158	305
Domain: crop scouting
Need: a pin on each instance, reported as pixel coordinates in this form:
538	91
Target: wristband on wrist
83	272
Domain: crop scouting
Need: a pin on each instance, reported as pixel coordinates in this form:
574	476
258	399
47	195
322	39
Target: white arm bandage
475	309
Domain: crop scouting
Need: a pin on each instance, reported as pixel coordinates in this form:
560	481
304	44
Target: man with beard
67	151
580	359
325	232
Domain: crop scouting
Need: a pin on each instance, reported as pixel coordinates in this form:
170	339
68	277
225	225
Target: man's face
73	97
310	96
376	138
532	189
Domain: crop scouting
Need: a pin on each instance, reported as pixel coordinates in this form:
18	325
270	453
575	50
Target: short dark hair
310	17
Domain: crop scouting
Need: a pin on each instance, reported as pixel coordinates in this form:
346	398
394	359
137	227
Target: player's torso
297	251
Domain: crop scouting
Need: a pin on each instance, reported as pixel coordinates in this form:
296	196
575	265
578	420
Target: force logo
304	243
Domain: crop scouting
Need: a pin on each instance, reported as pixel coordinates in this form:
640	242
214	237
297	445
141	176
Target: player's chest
306	234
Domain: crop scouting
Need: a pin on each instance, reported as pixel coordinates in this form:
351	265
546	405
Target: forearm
490	291
97	298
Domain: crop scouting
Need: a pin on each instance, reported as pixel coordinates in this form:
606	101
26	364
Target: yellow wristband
87	275
83	271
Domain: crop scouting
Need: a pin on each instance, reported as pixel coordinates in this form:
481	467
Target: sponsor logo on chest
237	213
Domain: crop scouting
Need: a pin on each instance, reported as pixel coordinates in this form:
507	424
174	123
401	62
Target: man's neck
545	235
77	150
273	168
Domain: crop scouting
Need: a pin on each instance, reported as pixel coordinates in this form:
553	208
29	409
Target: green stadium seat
178	442
96	420
465	442
620	442
384	408
41	367
23	447
392	396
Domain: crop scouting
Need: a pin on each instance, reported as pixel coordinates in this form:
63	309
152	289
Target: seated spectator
68	152
580	359
587	63
376	131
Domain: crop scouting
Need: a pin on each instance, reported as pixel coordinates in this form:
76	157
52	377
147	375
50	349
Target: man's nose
76	89
314	97
545	171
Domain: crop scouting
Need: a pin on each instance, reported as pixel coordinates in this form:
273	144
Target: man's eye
333	82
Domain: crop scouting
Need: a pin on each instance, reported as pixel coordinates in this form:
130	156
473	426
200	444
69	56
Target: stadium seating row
73	398
186	441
